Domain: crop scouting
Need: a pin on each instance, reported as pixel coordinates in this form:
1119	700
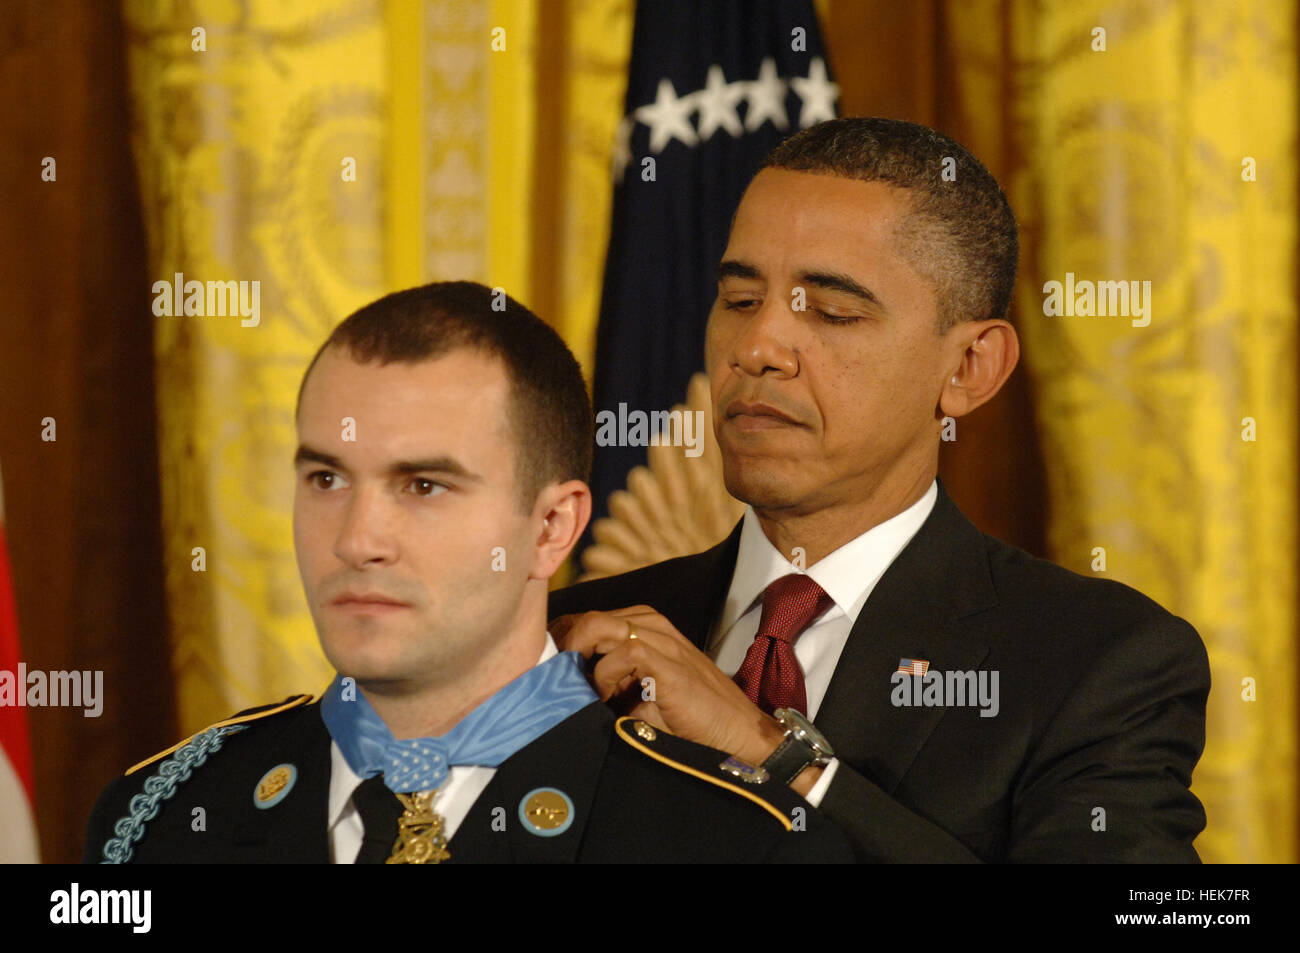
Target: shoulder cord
159	788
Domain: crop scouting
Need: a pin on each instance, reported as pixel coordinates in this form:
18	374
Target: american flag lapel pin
913	666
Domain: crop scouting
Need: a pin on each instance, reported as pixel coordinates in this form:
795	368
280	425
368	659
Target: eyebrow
732	268
443	464
828	280
837	281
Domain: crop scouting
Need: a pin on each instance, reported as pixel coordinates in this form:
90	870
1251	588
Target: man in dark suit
445	438
939	694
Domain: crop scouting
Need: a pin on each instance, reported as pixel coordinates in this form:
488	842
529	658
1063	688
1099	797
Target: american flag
712	87
913	666
18	844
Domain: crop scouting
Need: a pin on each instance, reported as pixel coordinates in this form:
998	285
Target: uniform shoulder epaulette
243	717
715	767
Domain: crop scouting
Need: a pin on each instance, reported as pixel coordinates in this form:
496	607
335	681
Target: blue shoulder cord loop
159	788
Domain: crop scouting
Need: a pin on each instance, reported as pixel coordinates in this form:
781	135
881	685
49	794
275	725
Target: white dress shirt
456	795
848	575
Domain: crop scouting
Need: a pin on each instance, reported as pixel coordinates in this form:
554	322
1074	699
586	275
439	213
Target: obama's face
824	365
405	488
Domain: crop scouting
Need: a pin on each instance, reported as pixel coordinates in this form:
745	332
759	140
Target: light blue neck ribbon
514	717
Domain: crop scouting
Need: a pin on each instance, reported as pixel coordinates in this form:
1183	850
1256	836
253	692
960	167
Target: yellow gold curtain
491	164
333	152
1132	131
1119	130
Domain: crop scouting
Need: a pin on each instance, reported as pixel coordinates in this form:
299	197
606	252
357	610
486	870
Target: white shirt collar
343	780
848	574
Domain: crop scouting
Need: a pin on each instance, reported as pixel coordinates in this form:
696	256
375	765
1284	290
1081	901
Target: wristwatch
803	747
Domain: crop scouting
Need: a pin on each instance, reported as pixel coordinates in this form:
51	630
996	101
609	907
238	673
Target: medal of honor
420	838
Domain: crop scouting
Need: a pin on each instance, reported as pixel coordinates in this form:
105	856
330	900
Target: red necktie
770	674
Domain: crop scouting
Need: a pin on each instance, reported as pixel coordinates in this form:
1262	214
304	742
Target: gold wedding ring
631	632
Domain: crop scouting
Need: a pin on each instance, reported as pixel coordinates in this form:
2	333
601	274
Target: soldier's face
823	363
405	484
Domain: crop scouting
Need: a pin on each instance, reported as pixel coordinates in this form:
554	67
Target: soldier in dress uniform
445	438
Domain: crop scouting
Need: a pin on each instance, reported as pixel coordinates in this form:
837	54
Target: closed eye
837	318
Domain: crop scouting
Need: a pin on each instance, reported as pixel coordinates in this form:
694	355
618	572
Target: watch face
796	722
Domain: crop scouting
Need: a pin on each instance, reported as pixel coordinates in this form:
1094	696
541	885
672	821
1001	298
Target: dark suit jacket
1102	703
633	803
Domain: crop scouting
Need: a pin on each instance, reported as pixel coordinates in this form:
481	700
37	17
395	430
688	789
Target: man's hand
691	697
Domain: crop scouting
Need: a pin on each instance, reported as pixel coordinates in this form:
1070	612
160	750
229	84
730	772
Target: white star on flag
668	118
718	100
766	98
817	93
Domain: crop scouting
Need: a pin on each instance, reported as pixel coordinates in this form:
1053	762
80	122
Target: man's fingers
580	633
613	674
560	626
622	669
634	610
597	633
646	617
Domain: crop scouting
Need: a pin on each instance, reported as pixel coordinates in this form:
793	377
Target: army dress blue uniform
634	794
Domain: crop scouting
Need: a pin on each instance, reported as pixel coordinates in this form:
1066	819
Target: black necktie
379	809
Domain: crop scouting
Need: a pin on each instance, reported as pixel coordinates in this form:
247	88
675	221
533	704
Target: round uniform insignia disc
275	785
546	812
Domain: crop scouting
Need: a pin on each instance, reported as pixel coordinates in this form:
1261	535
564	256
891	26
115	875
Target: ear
561	513
988	353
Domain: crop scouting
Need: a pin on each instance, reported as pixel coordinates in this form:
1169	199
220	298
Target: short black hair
549	412
960	232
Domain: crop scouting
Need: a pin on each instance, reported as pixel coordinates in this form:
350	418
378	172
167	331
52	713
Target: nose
366	535
764	343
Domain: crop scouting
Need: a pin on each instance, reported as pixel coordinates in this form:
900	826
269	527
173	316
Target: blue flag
712	87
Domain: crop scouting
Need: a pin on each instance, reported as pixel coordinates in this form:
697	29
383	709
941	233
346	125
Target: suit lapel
939	578
570	758
292	831
695	600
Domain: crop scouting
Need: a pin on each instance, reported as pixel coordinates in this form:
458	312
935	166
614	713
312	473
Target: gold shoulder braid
420	838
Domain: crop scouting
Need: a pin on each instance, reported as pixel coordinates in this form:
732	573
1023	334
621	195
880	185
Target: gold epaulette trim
293	702
623	729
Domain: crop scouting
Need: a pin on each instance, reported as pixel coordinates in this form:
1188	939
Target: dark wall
82	512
